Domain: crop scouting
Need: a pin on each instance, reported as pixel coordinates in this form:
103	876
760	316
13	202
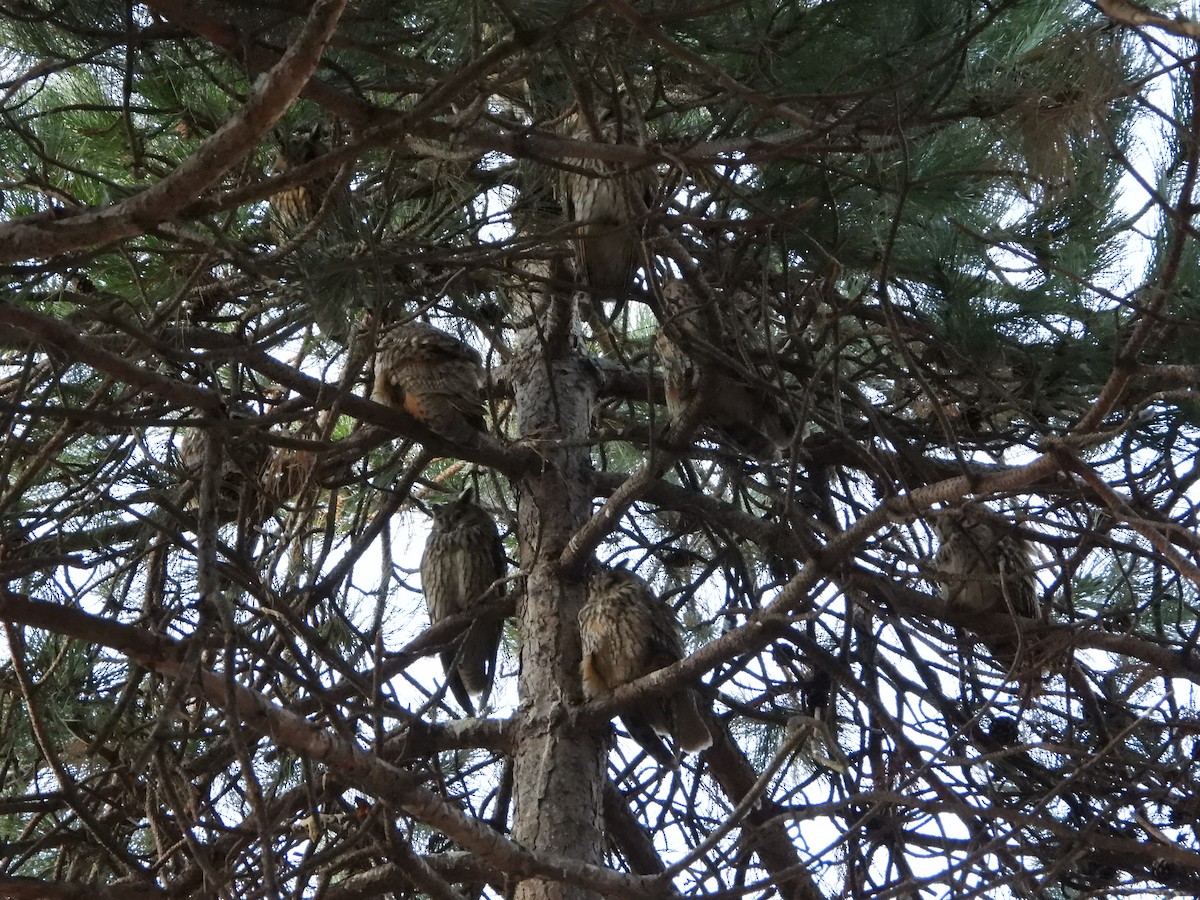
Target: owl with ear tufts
606	203
984	567
627	632
738	406
462	563
295	207
238	468
434	377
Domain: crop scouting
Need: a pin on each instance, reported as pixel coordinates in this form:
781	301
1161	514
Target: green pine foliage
940	252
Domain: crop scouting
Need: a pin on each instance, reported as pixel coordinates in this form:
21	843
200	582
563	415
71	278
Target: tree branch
49	234
346	761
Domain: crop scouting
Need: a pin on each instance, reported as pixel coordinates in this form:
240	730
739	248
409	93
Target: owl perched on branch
606	208
984	567
296	206
463	559
627	632
698	367
239	471
435	378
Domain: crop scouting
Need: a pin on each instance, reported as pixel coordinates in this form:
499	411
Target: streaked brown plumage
984	567
239	471
295	207
745	417
627	632
432	376
607	208
463	558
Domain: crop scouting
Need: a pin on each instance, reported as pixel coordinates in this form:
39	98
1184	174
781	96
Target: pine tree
768	298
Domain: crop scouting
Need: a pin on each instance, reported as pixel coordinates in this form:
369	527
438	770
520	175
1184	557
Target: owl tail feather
455	683
641	731
688	727
477	659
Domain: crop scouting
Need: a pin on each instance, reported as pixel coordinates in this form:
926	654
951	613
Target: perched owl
985	568
463	558
239	471
606	208
627	632
432	376
289	474
743	416
295	207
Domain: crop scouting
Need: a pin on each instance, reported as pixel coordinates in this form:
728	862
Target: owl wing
1016	572
663	643
676	713
480	648
481	643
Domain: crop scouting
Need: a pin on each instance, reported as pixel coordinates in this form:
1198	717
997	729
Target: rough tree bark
558	768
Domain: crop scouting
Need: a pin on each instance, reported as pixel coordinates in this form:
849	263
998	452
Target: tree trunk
558	769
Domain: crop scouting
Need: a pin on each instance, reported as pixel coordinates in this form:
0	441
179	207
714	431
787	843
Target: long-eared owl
434	377
627	632
463	559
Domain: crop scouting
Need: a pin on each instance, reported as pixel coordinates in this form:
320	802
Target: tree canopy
857	330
